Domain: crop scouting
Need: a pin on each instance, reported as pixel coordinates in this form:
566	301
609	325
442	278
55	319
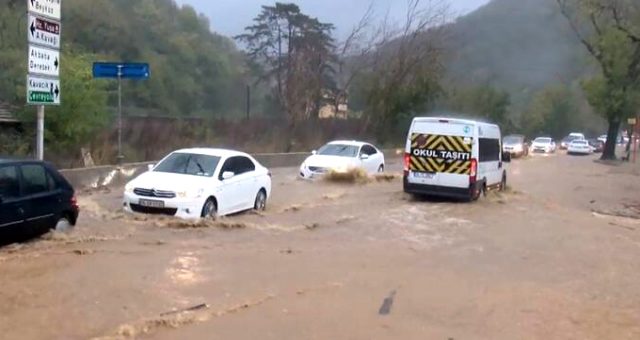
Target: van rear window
489	150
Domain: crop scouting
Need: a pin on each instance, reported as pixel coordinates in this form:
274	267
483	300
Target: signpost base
40	134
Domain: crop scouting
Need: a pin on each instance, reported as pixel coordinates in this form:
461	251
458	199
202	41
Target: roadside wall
111	175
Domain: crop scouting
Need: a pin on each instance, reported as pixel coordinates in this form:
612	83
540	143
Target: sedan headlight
128	188
190	193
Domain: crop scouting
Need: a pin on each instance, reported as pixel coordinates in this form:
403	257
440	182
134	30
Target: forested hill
519	46
193	70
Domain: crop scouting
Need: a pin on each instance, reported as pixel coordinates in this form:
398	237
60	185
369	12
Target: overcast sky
229	17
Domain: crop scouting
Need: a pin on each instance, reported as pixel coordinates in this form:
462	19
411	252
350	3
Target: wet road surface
549	259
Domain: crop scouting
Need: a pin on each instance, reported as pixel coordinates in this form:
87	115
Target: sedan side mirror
227	175
150	167
364	157
314	152
506	157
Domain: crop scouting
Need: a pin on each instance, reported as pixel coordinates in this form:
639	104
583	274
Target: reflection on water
185	269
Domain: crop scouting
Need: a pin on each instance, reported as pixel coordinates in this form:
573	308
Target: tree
482	101
551	112
294	52
396	71
610	31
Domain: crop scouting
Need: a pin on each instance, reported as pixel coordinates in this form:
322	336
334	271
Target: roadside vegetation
537	67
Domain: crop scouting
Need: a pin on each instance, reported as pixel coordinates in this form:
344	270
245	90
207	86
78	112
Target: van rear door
440	152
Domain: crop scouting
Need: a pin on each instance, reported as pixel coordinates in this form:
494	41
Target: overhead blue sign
121	70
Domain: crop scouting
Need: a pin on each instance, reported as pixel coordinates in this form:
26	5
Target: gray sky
229	17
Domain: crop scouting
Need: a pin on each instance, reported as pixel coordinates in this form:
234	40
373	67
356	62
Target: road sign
47	8
124	70
43	32
43	91
44	61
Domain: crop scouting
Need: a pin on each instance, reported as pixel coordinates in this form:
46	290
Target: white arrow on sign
44	61
43	91
47	8
43	32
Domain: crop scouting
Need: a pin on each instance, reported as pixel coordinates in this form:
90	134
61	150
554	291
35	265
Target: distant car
603	138
515	145
580	147
543	145
564	144
200	183
34	198
342	156
597	145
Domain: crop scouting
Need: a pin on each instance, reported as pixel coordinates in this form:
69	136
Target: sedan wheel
210	210
261	201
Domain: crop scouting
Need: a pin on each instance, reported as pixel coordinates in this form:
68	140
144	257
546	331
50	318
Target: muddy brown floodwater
555	257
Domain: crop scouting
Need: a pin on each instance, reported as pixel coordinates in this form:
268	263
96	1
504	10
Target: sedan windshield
189	164
512	140
543	140
340	150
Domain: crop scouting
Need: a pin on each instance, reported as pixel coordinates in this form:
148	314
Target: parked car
564	144
200	183
603	138
453	158
597	145
580	147
34	198
342	156
516	145
543	145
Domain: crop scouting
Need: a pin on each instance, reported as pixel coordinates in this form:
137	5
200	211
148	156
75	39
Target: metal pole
40	133
120	156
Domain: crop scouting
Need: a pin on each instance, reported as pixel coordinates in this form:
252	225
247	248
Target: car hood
169	181
330	162
512	145
541	145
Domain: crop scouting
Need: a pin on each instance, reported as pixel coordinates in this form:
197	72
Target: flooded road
556	257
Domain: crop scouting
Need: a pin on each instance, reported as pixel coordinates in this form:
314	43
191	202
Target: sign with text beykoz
44	35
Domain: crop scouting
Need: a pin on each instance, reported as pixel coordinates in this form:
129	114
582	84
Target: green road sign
43	91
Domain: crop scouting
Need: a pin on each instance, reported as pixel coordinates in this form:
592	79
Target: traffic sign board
43	91
44	61
43	32
48	8
121	70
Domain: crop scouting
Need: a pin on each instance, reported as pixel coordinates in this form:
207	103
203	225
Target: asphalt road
552	258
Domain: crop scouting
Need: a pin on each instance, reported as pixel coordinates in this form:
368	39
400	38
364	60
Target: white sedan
200	183
543	145
343	156
580	147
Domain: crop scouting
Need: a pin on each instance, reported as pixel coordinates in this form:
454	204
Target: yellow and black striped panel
434	146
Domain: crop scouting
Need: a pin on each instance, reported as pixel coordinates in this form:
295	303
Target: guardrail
112	175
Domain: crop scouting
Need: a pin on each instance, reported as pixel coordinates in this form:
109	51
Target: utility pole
40	133
248	101
120	156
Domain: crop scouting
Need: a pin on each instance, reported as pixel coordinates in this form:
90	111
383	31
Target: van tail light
473	175
406	162
74	202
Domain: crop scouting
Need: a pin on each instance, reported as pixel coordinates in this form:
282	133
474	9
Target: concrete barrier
111	175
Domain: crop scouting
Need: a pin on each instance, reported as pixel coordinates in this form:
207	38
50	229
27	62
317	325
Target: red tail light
74	202
474	171
406	161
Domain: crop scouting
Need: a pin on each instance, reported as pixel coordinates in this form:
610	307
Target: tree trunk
609	152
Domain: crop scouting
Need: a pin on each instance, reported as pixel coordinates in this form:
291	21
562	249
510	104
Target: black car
34	198
598	145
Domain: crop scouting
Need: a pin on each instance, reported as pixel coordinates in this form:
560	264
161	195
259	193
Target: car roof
454	120
222	153
348	142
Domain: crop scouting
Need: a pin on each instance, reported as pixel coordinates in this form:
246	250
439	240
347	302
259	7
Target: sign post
43	60
121	71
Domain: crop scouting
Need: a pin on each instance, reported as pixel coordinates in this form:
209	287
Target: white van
453	158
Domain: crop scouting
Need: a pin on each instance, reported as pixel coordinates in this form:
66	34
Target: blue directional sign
121	70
